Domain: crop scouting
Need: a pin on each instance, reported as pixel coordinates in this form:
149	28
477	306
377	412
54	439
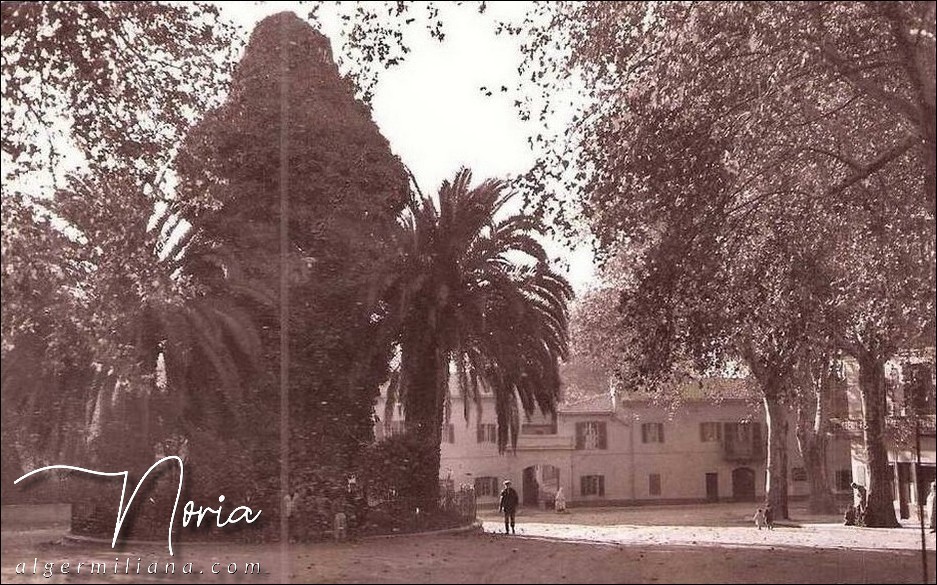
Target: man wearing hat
508	505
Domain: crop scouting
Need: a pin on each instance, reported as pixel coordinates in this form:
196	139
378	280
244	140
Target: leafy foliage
118	82
734	71
750	158
475	291
89	287
292	126
481	290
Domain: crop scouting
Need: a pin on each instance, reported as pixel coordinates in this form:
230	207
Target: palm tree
477	292
128	296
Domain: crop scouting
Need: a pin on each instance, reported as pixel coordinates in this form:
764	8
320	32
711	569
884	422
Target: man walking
508	505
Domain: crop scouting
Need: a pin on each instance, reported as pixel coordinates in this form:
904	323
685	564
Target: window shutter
660	432
583	481
718	431
580	435
757	446
644	433
603	436
601	485
730	435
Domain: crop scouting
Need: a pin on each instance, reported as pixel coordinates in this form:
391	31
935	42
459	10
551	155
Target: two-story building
613	448
910	439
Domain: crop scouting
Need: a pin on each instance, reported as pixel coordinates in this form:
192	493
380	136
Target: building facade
610	449
910	439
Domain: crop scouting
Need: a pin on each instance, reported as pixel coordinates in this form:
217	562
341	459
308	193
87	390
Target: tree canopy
475	290
291	127
748	159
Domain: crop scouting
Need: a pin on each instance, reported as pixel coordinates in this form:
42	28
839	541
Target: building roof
713	388
587	404
589	388
580	379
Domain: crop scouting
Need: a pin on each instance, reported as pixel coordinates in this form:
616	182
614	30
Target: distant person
862	500
508	505
559	501
769	517
759	518
340	526
289	503
849	516
932	507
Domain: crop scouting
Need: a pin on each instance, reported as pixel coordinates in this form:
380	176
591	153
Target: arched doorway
743	484
540	482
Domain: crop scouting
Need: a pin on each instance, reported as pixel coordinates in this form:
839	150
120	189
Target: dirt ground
616	545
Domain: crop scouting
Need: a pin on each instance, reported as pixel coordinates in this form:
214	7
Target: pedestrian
559	501
862	499
932	506
849	516
508	505
759	518
340	526
769	517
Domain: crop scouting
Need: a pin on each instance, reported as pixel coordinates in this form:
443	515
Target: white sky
431	109
432	112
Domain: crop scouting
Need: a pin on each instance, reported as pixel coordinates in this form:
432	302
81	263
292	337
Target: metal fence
400	514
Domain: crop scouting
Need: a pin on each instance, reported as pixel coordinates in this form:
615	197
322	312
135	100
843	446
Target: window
486	486
486	433
844	480
538	429
710	432
799	474
892	397
592	485
743	440
839	396
448	433
591	435
653	484
652	433
919	389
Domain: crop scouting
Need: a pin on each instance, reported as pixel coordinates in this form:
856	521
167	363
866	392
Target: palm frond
480	288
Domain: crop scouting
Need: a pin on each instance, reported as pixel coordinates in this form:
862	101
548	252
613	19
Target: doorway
712	487
743	484
540	484
904	490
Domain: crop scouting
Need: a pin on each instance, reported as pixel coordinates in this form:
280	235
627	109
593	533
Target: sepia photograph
469	292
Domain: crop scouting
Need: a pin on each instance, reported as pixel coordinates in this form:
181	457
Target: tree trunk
812	439
776	481
881	511
425	374
813	449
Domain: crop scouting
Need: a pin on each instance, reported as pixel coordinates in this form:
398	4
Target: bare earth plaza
469	292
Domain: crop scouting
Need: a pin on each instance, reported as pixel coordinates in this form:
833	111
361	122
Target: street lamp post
920	496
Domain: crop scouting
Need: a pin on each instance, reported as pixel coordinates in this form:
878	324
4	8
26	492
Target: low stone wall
36	516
